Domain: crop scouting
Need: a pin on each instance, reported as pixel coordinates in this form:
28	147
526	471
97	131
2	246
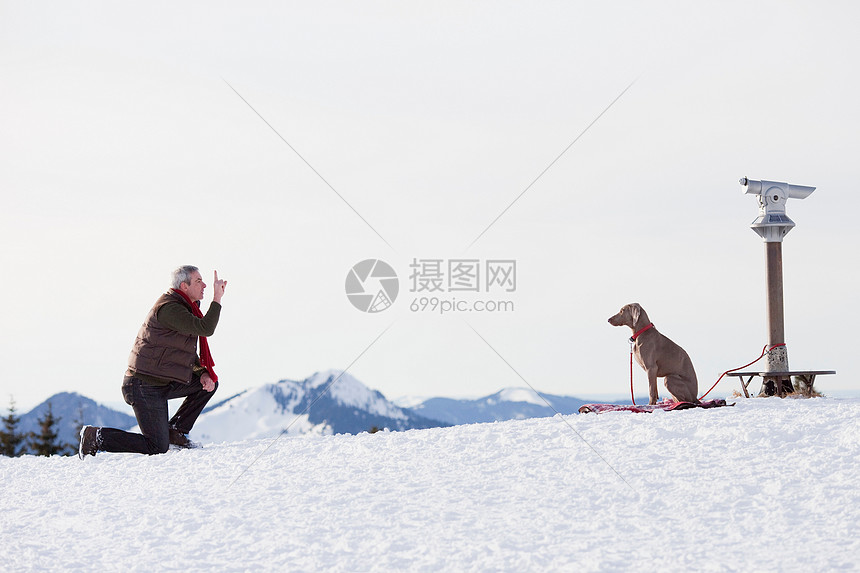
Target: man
164	365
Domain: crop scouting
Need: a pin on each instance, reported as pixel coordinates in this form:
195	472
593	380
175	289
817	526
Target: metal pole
777	358
775	313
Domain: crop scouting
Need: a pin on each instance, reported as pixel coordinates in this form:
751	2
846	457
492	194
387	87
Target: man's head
188	280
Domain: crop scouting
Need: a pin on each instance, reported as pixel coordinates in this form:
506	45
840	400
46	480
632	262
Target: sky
591	151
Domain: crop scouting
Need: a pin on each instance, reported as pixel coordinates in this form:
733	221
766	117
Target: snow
266	411
255	414
520	395
410	401
350	391
766	485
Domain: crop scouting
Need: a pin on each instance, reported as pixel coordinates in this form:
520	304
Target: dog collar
637	333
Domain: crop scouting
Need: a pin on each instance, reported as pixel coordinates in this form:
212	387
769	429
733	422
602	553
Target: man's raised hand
219	286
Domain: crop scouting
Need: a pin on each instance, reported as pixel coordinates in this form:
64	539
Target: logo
372	285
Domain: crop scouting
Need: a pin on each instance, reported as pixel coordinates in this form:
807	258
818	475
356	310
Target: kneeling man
164	365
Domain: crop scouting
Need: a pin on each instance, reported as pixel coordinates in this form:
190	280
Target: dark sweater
176	316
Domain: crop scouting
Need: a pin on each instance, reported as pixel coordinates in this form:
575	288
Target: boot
91	441
180	440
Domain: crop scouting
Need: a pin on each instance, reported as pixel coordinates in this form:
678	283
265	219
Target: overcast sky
282	143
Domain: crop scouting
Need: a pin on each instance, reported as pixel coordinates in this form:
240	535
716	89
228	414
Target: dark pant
150	408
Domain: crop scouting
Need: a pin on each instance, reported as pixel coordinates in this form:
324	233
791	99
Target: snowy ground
768	485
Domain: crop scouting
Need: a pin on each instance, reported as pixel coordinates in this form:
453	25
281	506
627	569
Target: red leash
633	338
632	399
764	351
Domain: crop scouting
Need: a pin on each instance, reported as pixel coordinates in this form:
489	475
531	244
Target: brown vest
161	352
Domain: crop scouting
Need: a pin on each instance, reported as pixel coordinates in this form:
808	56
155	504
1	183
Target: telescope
772	224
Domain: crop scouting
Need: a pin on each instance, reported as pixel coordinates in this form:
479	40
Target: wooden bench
805	376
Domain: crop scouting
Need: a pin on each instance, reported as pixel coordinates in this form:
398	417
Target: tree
10	439
72	449
45	443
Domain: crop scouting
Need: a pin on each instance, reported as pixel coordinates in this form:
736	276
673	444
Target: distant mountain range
507	404
325	403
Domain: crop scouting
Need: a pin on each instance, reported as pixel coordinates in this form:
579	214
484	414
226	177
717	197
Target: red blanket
667	406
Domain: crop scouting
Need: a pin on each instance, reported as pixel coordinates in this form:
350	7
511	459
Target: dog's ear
635	310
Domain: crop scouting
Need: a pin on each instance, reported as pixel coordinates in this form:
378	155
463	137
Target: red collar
636	335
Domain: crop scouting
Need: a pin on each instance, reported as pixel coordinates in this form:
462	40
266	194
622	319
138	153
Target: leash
764	351
633	338
632	341
632	399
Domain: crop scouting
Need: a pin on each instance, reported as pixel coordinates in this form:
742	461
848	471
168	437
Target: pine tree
45	442
10	439
79	418
72	449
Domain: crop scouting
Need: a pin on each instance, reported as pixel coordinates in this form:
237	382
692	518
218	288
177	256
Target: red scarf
205	356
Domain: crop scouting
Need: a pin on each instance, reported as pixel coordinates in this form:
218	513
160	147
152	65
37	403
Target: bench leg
744	385
781	387
808	383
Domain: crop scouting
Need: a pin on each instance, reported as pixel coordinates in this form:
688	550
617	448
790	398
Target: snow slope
768	485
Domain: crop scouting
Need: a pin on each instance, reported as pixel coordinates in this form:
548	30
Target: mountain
507	404
73	410
326	403
339	404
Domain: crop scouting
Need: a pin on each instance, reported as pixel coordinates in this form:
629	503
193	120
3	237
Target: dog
658	356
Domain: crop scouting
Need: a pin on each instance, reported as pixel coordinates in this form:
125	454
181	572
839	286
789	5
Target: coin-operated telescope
772	224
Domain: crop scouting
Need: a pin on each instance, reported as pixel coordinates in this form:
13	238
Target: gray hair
183	275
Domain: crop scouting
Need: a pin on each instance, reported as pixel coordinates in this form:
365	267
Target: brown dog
658	356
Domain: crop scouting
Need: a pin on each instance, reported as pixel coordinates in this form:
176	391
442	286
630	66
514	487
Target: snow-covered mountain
73	410
507	404
328	402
